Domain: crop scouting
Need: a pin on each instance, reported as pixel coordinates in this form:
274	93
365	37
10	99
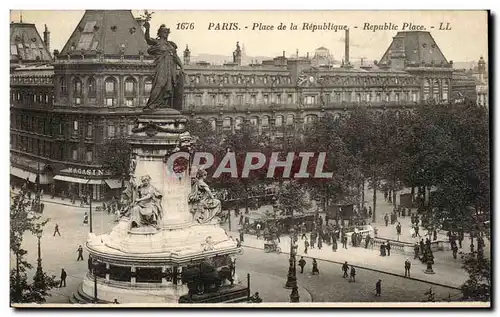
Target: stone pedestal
144	264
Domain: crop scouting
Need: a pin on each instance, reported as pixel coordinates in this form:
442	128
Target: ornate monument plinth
169	239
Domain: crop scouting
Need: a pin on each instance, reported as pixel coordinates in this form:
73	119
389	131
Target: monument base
226	294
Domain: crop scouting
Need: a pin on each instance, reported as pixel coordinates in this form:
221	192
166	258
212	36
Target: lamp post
39	276
291	281
89	191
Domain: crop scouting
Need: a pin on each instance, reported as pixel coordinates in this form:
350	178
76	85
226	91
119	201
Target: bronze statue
146	209
205	206
166	79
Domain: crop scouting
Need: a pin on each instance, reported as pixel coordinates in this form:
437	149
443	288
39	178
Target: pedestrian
326	219
386	219
416	250
63	278
382	249
41	193
320	242
416	231
370	211
85	218
378	288
345	268
320	221
403	212
313	239
434	235
315	267
232	267
460	238
80	253
472	247
238	243
302	263
306	246
56	230
42	207
398	229
353	274
257	230
428	243
388	248
334	244
242	233
422	246
241	220
344	242
454	249
115	301
407	268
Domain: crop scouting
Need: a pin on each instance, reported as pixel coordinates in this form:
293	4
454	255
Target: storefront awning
114	183
19	172
78	180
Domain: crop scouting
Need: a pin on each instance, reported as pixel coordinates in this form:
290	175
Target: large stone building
95	88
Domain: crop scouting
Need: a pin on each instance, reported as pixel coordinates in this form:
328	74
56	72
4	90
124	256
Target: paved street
268	271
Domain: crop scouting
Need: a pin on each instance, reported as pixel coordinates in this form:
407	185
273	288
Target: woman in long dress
207	206
147	209
165	77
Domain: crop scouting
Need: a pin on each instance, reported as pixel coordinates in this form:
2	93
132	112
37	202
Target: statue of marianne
165	77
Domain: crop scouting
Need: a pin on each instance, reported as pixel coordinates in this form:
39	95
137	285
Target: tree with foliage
114	156
292	199
22	221
478	286
324	136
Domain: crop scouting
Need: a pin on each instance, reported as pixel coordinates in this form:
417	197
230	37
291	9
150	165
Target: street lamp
39	276
291	281
89	191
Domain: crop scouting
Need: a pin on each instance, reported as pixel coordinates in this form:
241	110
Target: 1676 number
185	26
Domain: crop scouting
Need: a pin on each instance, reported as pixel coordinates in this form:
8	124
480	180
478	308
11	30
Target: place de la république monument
168	242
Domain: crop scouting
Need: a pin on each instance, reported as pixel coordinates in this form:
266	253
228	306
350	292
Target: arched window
62	86
237	123
148	84
227	124
91	90
254	121
290	120
265	121
427	89
77	91
213	123
130	91
278	122
311	118
110	91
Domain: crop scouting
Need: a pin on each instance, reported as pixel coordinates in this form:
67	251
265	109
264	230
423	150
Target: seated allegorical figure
146	209
205	206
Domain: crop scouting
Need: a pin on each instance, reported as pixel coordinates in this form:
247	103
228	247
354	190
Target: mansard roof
26	45
110	32
419	48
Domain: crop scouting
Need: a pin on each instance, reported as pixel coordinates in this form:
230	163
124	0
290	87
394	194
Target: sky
466	41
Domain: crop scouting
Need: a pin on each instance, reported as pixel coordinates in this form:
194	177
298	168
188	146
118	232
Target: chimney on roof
283	53
307	56
297	53
46	38
346	57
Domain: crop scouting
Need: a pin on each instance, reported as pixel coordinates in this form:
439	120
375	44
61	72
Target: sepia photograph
163	158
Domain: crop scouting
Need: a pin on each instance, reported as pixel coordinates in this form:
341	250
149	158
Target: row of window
239	80
279	98
49	149
30	98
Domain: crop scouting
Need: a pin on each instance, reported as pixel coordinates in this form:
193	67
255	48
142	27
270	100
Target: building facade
63	108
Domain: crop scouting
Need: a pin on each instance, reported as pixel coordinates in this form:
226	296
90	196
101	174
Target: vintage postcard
249	158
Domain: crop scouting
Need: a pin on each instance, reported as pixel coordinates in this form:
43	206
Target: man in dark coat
344	242
386	219
454	249
353	274
56	230
388	248
398	229
63	278
422	246
345	268
416	250
315	269
80	253
407	268
302	263
320	242
306	246
378	288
